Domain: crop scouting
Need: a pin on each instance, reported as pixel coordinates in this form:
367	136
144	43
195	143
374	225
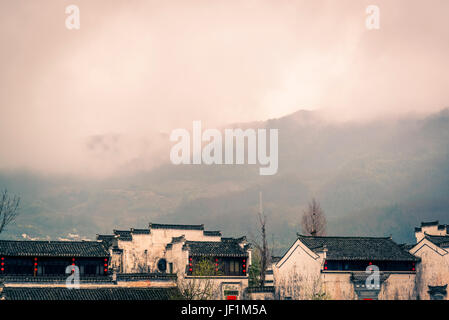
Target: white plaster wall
179	258
135	259
433	269
297	275
338	286
398	287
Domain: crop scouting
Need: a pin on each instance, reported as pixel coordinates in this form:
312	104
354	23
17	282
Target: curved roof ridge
341	237
176	226
51	241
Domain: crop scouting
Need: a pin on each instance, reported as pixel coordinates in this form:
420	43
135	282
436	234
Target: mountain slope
376	178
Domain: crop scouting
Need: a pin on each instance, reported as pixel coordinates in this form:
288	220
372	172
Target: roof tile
53	248
358	248
61	293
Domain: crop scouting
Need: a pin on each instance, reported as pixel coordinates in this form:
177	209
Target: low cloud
94	101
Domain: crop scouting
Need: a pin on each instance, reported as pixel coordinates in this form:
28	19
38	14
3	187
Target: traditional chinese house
44	258
179	249
339	267
228	256
432	247
92	294
40	270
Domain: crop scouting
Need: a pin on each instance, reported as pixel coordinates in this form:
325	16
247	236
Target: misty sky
104	98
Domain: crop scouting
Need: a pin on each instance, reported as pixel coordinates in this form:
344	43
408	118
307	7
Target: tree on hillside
313	220
9	209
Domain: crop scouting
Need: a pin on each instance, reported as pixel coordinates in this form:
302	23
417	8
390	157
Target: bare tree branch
199	286
262	245
8	209
313	220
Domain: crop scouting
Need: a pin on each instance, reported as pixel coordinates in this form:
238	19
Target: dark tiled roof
358	248
53	279
103	237
177	226
269	289
441	241
145	276
212	233
107	239
177	239
62	293
124	235
437	289
234	239
53	248
87	279
215	248
360	277
140	231
406	246
429	223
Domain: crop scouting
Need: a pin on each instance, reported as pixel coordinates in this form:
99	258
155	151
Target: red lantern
35	265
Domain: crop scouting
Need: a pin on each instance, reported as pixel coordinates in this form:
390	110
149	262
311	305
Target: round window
162	265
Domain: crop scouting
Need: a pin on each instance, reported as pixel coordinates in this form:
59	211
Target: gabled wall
299	275
432	228
143	252
433	270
